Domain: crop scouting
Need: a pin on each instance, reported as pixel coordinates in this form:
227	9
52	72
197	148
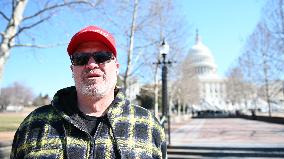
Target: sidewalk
227	132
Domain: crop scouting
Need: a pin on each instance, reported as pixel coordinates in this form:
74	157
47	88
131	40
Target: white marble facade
212	88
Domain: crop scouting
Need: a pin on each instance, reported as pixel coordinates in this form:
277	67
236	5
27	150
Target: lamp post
164	50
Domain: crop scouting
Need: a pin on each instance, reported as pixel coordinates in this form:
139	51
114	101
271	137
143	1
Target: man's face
95	79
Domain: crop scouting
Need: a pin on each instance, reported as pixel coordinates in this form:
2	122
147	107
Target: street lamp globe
164	48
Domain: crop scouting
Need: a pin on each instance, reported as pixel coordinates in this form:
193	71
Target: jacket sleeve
164	149
19	146
161	139
15	153
163	144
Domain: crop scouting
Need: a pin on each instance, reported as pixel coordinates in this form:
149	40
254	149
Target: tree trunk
131	45
10	32
156	89
267	93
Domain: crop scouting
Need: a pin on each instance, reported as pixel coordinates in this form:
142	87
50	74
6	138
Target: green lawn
10	122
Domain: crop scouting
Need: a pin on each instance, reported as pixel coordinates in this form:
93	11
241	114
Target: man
93	119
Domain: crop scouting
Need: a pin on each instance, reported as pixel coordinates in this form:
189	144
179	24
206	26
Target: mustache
88	71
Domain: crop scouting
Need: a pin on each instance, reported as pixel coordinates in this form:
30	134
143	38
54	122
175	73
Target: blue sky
223	25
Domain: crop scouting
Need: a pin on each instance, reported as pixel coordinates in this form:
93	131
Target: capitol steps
185	152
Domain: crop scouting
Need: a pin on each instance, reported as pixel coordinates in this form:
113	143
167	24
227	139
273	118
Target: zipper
93	139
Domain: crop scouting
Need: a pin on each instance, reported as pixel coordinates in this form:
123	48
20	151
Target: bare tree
17	21
190	84
262	59
16	94
143	25
131	44
234	86
238	90
258	53
273	17
187	86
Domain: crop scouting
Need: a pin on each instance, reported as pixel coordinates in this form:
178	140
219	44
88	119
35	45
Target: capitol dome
201	58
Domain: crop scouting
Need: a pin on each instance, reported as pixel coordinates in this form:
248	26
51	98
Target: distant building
212	87
133	88
14	108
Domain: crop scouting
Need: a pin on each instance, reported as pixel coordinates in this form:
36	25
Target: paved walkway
227	132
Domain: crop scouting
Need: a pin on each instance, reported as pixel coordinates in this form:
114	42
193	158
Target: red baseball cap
91	33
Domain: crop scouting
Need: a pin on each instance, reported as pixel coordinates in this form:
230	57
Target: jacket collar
65	101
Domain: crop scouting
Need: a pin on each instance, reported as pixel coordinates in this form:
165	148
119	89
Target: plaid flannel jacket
53	131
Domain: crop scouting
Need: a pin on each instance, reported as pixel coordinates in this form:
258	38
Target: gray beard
90	88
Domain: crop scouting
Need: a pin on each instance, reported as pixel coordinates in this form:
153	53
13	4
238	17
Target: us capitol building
212	87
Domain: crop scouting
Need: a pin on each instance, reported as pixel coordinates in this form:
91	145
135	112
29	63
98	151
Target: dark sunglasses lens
80	59
102	57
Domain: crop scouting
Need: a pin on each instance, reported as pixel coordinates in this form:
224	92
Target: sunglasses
101	57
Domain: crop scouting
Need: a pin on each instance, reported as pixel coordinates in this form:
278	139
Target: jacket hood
65	100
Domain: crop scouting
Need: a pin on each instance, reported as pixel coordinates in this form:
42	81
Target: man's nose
92	63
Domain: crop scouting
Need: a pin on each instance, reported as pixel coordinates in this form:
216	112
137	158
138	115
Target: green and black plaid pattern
51	132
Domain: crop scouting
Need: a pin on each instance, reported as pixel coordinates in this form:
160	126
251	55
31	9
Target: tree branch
14	3
4	16
39	46
109	19
147	45
59	6
30	26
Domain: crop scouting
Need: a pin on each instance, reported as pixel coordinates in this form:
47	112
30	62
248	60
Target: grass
10	122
